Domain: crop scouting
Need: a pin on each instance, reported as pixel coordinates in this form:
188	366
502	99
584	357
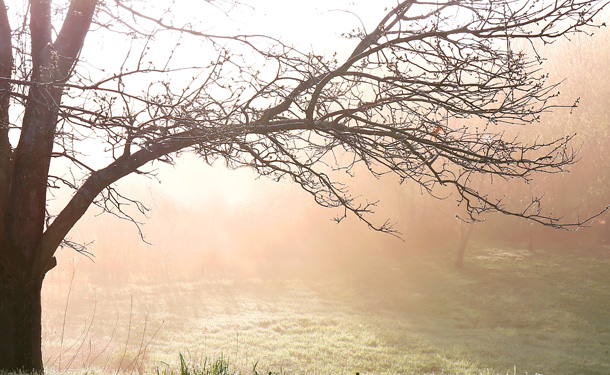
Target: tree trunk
530	238
465	231
20	322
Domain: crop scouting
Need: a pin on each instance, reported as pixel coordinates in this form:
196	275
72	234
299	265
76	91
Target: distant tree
74	120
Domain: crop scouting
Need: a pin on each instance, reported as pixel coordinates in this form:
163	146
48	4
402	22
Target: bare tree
72	122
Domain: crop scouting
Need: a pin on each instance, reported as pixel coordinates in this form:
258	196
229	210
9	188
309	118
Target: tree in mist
74	122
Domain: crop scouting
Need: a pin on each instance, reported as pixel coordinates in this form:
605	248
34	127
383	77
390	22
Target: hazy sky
313	25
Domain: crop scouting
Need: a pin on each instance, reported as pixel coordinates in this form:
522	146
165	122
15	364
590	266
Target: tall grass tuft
219	366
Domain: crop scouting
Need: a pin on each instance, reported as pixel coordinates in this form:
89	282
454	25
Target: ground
509	311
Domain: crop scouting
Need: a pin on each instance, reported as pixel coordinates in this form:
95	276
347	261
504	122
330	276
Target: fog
226	234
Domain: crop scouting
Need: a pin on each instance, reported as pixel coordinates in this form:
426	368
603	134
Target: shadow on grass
543	312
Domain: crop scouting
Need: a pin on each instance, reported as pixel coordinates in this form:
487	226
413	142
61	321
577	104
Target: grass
218	367
508	312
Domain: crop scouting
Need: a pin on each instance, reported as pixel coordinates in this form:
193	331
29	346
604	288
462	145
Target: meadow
509	311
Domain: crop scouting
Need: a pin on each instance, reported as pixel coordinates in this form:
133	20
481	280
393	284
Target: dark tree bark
20	321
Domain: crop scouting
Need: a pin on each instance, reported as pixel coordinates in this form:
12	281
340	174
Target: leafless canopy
392	105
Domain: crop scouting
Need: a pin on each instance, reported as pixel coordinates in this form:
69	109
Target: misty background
227	227
200	214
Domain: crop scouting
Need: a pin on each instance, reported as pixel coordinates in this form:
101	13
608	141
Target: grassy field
509	312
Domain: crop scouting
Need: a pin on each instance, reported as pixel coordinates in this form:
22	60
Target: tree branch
71	38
